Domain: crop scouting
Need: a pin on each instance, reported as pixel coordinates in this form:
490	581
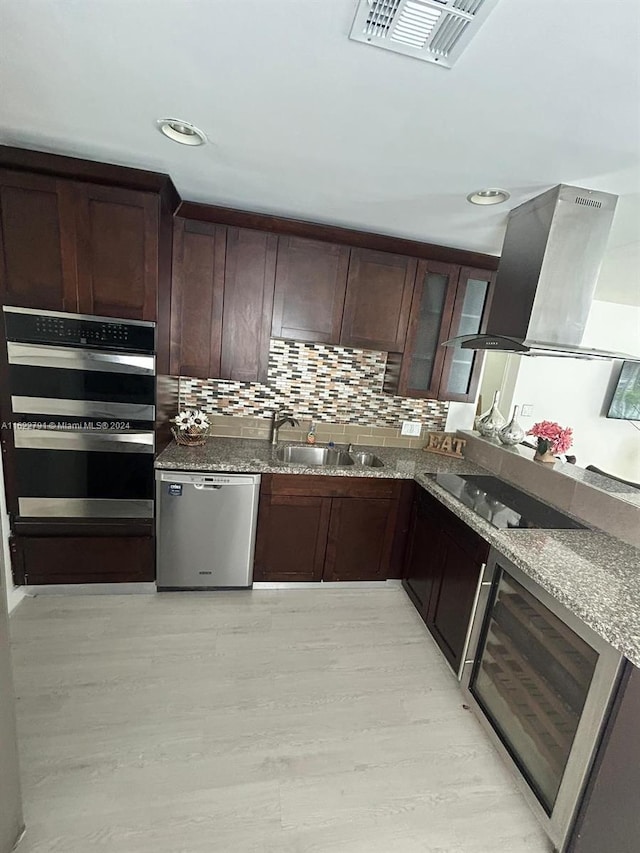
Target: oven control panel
78	331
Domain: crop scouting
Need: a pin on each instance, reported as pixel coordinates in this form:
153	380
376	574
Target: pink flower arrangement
552	436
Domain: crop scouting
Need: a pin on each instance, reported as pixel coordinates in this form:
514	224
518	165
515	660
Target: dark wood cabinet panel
197	298
117	252
442	568
37	266
608	818
431	313
452	600
448	301
461	368
291	539
378	300
248	304
423	567
313	528
82	559
360	539
311	279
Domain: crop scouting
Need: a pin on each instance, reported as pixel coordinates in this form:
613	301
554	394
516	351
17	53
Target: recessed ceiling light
182	131
490	196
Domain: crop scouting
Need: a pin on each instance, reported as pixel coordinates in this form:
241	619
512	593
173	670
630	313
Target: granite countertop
246	455
594	575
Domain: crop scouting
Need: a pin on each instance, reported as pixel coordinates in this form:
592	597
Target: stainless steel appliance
502	504
83	409
205	529
549	266
540	681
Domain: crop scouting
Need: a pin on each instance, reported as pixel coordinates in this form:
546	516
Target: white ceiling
306	123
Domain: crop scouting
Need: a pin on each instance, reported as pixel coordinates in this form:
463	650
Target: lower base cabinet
608	818
317	528
444	562
82	559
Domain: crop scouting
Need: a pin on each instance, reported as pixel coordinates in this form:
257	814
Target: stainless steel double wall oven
82	393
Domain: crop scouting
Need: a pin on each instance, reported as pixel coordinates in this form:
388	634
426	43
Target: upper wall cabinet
36	220
221	301
73	246
117	251
378	300
196	298
448	301
311	278
248	304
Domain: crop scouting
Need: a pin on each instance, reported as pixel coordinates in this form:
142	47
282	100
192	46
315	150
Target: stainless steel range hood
551	258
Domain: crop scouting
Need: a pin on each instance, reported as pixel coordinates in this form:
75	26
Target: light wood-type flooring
284	721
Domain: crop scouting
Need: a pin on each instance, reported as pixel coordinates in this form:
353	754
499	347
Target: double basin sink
325	456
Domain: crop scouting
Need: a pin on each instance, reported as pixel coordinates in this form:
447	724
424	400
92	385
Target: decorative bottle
512	433
492	421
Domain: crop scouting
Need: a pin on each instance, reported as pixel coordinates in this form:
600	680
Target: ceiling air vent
433	30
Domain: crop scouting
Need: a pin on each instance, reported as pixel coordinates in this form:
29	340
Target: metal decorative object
512	433
491	421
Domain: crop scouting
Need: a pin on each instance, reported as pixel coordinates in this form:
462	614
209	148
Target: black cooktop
503	505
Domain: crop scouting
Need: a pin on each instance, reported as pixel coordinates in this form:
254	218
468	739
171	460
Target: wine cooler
541	681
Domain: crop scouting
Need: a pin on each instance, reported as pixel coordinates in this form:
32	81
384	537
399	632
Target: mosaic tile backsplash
315	381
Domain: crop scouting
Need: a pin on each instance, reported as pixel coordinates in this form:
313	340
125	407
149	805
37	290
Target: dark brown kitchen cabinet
36	243
71	246
313	528
360	539
116	251
424	553
608	818
197	294
248	304
378	300
221	301
443	566
311	278
292	537
448	301
106	558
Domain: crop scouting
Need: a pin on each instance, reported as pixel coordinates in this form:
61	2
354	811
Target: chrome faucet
278	419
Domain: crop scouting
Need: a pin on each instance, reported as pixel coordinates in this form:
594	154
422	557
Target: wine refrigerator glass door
542	680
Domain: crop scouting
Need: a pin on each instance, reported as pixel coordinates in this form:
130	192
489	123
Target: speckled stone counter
259	457
594	575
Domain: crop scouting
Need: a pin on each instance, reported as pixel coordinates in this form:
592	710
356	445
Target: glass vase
512	433
492	421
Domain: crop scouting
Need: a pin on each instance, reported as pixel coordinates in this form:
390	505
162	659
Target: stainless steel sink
313	456
370	460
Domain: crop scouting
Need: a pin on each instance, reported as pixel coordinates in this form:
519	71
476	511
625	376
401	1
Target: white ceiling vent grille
433	30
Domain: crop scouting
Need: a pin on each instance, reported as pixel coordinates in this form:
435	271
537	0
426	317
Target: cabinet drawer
330	487
82	559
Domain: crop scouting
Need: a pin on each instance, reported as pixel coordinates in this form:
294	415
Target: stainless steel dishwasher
205	529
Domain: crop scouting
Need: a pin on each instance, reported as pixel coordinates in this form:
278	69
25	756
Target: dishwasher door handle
206	486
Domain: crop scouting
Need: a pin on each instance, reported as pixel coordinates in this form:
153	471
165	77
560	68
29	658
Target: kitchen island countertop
594	575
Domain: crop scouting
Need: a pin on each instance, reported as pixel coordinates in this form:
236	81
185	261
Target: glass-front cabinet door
448	300
462	367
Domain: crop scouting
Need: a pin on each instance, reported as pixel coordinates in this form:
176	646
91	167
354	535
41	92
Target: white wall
576	393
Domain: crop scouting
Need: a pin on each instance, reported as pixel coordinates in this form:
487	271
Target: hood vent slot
431	30
588	202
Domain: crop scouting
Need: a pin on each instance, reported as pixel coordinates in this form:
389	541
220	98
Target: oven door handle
129	441
73	358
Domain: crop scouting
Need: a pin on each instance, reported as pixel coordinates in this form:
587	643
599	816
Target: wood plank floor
284	721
